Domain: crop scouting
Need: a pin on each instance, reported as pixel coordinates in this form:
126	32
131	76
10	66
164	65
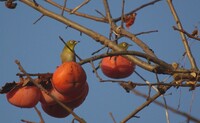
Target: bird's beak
130	45
77	42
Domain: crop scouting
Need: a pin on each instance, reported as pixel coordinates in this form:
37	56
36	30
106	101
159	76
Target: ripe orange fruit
46	99
24	97
55	110
78	101
117	67
68	78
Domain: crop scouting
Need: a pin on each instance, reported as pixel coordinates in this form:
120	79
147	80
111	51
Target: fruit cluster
68	85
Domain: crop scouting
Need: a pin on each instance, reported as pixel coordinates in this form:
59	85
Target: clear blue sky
38	48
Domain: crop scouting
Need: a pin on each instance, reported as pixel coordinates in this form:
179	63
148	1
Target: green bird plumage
68	53
124	45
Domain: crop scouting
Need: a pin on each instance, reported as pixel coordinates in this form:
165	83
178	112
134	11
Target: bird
124	45
68	53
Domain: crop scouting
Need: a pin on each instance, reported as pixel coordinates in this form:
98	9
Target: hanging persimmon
24	97
68	78
117	67
78	101
46	99
55	110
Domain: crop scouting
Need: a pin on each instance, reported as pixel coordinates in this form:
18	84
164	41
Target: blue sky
38	48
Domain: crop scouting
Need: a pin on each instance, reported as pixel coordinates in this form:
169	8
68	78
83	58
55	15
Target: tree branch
184	40
96	36
188	34
137	9
168	107
77	13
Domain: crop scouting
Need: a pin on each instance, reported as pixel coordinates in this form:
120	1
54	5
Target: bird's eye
124	44
71	42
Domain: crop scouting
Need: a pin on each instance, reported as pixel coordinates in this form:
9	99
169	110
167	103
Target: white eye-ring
71	42
124	44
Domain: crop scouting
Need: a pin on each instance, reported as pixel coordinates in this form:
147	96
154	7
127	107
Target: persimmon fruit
24	97
46	99
55	110
117	67
78	101
68	78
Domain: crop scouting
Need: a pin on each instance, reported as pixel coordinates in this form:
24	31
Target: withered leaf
7	87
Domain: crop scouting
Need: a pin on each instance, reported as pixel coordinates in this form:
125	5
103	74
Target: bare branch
96	36
146	32
169	107
122	15
137	9
188	34
38	19
77	13
64	6
78	7
184	40
139	108
111	115
39	114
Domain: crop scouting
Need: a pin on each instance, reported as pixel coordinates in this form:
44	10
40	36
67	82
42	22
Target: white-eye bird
68	53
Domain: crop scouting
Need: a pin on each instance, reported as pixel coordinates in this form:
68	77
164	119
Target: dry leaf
130	19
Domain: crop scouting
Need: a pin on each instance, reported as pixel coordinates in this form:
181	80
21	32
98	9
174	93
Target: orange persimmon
46	99
68	78
78	101
24	97
117	67
55	110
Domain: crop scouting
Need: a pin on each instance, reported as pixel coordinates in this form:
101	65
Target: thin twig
179	100
191	103
184	40
26	121
64	6
188	34
98	50
93	67
38	19
111	115
78	7
39	114
100	13
122	15
36	4
108	14
77	13
146	32
169	107
166	109
147	82
150	84
143	55
79	58
141	107
137	9
35	74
